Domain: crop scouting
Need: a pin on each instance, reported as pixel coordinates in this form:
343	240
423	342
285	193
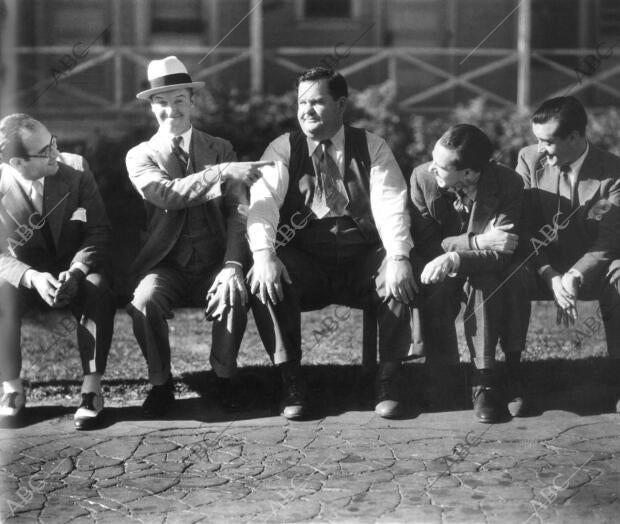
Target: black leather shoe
159	400
293	403
229	394
88	414
488	406
387	390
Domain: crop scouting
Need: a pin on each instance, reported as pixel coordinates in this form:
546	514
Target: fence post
524	52
8	56
256	46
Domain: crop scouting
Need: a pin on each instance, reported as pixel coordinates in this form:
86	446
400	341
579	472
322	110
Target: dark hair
472	146
568	111
336	83
11	127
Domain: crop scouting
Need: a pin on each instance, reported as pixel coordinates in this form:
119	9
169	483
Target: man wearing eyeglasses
55	236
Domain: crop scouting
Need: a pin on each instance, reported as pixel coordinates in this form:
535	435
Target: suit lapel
589	179
485	204
55	197
201	151
165	156
16	207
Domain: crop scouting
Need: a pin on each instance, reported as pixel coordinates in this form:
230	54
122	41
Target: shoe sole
88	423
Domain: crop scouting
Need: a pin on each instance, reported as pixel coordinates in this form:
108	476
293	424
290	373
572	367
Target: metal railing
128	64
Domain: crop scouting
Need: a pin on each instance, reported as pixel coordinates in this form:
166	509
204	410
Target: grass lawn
51	362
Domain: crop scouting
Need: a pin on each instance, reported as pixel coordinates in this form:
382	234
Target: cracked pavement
353	467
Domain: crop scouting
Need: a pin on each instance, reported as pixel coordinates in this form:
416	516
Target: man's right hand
246	172
266	276
46	285
564	299
498	239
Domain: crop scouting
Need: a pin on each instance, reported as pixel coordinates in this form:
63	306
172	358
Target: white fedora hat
167	74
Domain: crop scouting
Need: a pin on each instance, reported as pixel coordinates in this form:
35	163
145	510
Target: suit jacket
156	174
77	230
589	241
436	228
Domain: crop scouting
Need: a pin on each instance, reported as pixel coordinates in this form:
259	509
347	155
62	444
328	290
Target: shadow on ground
578	386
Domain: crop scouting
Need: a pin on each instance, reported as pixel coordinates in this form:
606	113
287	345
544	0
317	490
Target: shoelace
12	398
88	400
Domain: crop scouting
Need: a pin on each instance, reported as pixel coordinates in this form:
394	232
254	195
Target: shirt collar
187	138
575	167
24	183
337	142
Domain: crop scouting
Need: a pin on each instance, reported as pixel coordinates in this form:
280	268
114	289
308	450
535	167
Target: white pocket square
79	214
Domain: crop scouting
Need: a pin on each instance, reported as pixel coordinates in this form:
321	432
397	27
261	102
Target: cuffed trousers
165	288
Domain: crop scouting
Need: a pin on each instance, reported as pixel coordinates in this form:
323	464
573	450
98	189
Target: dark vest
302	181
202	241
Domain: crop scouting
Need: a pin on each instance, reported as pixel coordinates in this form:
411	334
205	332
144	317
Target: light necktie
565	186
330	174
180	153
36	194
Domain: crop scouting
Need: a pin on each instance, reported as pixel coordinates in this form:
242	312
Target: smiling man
195	248
353	250
466	212
573	223
55	241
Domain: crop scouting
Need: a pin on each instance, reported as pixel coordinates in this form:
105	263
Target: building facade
75	62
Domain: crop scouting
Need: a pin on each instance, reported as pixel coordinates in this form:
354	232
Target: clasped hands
56	293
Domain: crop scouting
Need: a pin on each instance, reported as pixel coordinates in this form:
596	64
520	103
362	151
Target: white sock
13	386
92	383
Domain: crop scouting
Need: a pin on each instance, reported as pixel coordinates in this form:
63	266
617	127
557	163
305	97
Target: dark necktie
330	175
180	153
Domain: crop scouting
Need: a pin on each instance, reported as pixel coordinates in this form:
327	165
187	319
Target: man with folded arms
55	240
195	248
344	185
464	208
572	215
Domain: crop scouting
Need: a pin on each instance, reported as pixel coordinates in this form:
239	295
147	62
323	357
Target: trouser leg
226	339
393	316
279	325
481	318
520	285
151	307
10	328
94	311
440	308
609	303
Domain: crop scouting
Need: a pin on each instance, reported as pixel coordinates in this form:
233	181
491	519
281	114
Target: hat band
170	80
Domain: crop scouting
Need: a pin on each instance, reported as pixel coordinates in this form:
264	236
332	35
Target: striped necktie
330	175
180	153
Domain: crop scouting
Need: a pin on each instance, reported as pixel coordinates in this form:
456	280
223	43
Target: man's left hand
229	287
69	284
399	281
438	269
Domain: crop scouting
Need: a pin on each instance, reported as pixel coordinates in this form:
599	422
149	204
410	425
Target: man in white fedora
195	251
